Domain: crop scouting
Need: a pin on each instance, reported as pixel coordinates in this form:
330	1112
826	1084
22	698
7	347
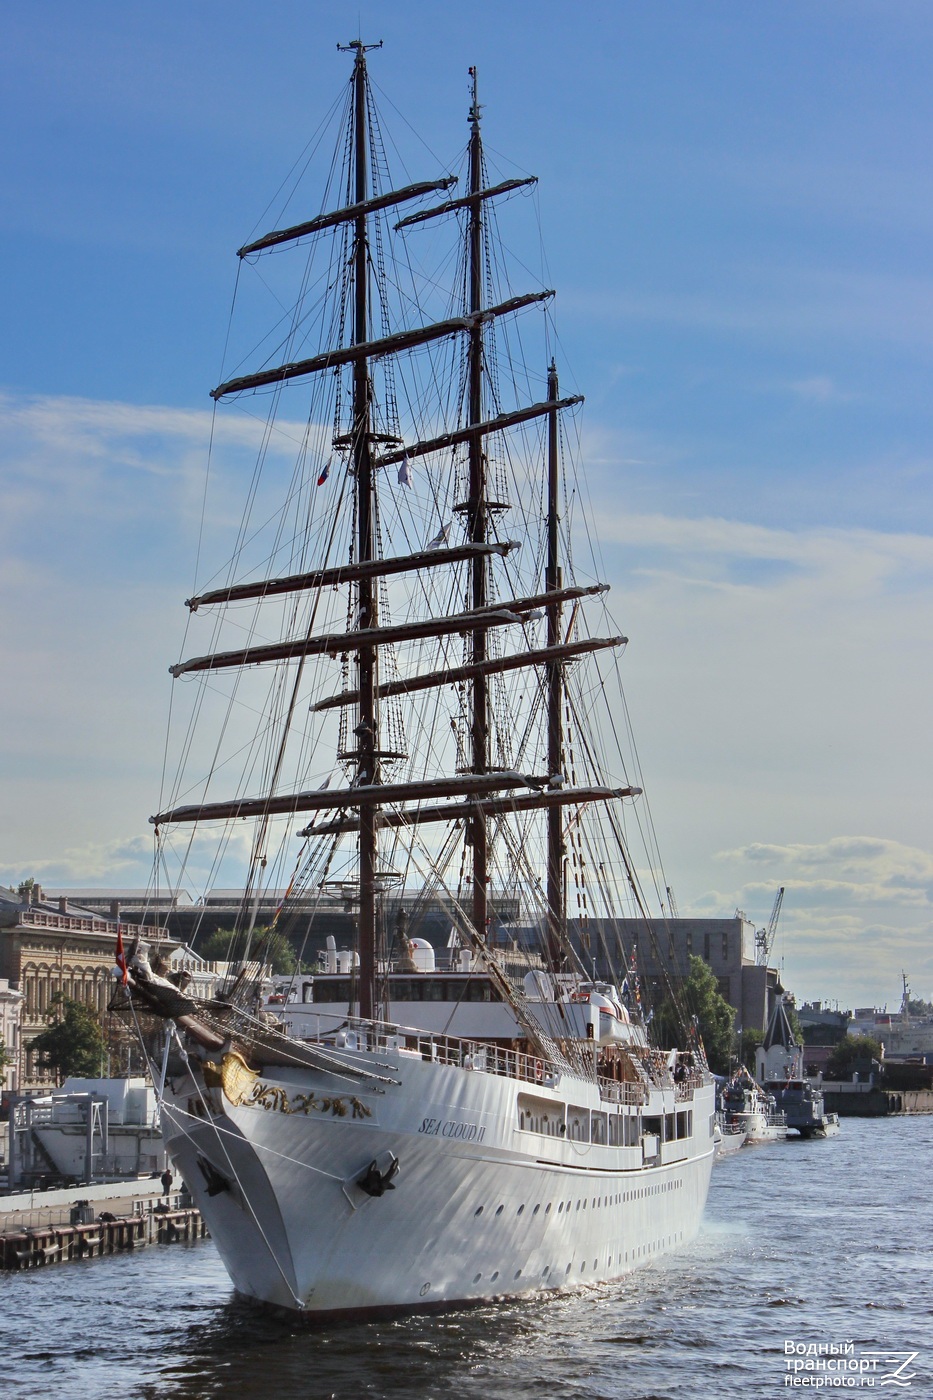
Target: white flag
404	472
441	537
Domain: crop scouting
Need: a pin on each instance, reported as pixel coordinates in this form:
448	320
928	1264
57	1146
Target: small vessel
407	699
779	1063
747	1107
729	1137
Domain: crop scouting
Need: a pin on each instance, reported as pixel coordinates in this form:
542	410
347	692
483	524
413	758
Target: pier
56	1227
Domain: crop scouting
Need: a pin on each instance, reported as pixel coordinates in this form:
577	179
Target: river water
816	1243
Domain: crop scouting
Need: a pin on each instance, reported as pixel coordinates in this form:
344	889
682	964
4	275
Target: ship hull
478	1209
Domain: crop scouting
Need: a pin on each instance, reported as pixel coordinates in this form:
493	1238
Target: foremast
367	731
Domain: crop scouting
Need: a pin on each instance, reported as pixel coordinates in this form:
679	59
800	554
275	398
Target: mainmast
552	582
476	510
366	754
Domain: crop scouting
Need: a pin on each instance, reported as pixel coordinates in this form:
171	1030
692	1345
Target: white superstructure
482	1173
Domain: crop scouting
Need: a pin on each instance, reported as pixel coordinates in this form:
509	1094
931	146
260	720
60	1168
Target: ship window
669	1127
520	1209
578	1125
493	1277
478	1211
598	1127
477	1277
540	1116
336	989
477	989
500	1210
536	1209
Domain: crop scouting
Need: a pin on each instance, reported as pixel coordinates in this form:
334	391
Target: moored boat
350	1154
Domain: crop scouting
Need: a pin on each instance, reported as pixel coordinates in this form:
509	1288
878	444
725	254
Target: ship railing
684	1089
470	1054
627	1092
386	1039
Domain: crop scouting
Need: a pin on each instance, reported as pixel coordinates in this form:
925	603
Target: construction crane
670	903
764	938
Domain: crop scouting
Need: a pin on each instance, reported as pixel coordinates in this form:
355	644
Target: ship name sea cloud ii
399	697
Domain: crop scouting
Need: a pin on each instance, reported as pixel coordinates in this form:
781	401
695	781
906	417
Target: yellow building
45	950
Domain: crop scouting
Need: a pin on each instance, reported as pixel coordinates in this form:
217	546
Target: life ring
539	1071
579	995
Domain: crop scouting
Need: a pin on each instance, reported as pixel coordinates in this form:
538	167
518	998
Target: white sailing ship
410	629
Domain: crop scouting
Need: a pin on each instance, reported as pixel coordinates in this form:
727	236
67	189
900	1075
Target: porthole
568	1268
560	1207
520	1209
518	1273
478	1211
477	1277
500	1210
547	1208
425	1288
536	1209
493	1277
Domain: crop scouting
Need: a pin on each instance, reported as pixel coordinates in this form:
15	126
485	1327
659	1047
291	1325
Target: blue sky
736	207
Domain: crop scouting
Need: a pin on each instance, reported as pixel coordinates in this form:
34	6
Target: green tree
700	996
5	1057
274	948
72	1043
848	1051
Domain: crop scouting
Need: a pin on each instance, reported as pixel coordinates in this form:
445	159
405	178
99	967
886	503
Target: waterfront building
58	946
11	1031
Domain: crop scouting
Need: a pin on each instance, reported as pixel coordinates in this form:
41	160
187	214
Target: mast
476	510
552	581
367	746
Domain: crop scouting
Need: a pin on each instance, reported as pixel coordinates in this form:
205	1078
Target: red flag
121	956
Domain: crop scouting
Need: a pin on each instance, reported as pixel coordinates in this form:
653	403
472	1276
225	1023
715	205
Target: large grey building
664	948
